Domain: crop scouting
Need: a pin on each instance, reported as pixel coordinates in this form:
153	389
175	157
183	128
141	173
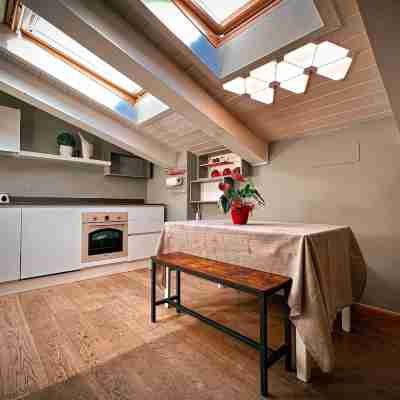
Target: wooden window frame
219	33
13	20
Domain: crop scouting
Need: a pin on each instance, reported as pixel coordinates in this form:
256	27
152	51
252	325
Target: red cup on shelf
215	173
227	172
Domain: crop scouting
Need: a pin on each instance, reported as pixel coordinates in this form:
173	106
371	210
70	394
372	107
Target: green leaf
224	203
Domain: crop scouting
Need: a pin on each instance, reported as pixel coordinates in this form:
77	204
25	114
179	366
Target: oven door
104	241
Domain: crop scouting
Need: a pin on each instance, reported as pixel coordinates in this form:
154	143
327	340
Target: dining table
325	263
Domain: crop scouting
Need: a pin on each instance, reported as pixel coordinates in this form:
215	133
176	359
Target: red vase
240	215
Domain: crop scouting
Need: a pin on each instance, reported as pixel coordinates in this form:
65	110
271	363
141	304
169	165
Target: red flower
238	177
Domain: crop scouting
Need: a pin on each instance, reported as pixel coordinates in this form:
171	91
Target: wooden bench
261	284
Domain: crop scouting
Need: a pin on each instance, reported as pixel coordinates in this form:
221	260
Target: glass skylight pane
296	85
266	73
254	85
265	96
328	52
61	71
219	10
336	70
237	85
57	39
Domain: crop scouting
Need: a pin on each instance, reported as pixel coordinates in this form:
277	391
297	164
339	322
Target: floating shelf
218	164
54	157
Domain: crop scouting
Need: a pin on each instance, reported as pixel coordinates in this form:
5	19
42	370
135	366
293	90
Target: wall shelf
54	157
204	188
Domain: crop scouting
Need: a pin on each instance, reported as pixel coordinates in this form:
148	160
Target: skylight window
61	57
218	20
42	30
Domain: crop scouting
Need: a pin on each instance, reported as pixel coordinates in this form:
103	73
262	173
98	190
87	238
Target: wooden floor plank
21	367
94	341
50	340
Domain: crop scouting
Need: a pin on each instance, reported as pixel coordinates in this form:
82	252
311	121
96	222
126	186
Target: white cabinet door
148	219
10	126
142	246
10	234
51	240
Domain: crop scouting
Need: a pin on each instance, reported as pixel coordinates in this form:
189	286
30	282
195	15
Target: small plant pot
66	151
240	216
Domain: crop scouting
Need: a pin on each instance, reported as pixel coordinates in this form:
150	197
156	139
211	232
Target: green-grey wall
45	178
317	180
320	180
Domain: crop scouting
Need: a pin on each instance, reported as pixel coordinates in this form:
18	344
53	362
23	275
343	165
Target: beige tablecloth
325	263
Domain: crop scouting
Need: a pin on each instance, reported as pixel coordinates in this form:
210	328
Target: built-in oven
104	236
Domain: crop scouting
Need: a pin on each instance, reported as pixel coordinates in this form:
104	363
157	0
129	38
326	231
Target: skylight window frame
220	33
14	21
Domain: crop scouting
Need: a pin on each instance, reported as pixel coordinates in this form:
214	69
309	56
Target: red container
240	216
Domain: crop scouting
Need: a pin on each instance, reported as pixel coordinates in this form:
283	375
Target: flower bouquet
239	201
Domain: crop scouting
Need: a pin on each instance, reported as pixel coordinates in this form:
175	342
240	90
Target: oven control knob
107	218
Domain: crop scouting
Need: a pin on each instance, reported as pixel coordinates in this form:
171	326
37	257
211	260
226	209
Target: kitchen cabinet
142	246
10	127
10	234
51	240
145	219
144	228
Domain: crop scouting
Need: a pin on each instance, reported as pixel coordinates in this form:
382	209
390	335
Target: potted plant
240	201
66	143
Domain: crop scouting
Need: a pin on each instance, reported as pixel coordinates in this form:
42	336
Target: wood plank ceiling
327	105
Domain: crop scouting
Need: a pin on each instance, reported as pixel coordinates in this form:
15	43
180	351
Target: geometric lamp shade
293	73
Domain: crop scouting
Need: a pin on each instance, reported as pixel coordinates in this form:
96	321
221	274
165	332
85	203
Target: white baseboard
25	285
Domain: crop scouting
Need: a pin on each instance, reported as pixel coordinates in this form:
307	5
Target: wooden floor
93	340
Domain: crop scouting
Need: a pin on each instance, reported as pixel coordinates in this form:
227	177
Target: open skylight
42	30
61	57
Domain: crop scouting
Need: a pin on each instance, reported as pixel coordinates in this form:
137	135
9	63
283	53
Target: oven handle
108	224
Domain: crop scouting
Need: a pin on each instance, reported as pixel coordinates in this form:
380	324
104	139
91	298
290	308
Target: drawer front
142	246
145	220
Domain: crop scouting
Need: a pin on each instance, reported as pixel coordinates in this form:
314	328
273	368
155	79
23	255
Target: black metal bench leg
153	292
263	303
288	334
178	291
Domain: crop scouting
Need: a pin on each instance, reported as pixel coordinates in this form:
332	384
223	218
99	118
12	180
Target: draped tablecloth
325	263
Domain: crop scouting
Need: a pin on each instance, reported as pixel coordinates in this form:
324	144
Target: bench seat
261	284
249	280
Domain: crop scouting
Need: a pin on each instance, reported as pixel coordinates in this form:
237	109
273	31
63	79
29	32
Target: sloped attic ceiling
176	139
326	106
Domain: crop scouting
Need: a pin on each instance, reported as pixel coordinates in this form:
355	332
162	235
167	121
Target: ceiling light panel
296	85
336	70
286	71
237	85
265	96
266	73
293	73
302	57
327	53
254	85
